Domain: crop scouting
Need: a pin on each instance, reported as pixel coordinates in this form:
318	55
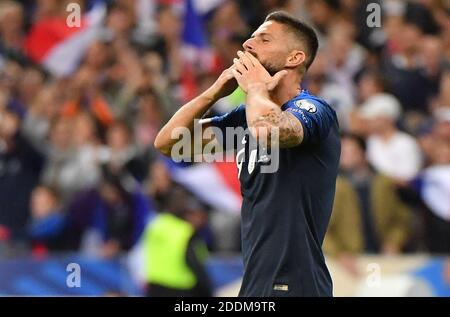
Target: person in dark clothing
428	194
385	219
110	218
47	228
287	178
20	166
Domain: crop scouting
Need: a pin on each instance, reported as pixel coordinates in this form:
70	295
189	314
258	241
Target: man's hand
224	85
249	72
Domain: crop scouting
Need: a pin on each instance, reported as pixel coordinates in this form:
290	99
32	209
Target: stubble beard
271	68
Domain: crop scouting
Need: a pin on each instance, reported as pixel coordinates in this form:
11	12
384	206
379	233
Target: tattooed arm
264	118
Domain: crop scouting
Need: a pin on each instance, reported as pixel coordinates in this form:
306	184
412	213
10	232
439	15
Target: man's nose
248	46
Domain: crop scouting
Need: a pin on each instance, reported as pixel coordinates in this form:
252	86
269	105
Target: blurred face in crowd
83	130
11	18
97	55
442	130
47	102
149	110
161	181
121	20
153	65
226	23
431	50
197	218
46	8
228	19
10	76
368	86
110	193
169	25
43	202
9	124
339	45
409	39
379	125
272	45
440	152
318	68
392	27
31	84
118	137
316	73
320	12
444	96
61	133
352	155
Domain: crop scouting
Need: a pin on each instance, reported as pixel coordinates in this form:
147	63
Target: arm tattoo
290	130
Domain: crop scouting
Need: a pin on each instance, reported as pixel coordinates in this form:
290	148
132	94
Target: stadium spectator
48	225
319	83
432	186
20	167
386	222
12	32
78	167
120	155
148	119
110	218
389	150
340	242
174	252
159	183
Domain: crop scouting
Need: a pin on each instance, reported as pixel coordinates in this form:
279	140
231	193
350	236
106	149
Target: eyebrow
262	34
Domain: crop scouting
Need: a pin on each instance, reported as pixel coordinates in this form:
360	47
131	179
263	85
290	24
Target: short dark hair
360	141
304	33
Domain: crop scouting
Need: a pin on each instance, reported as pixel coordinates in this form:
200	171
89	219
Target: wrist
209	95
258	88
212	94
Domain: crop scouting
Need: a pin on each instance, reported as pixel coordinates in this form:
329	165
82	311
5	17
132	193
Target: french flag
216	183
52	43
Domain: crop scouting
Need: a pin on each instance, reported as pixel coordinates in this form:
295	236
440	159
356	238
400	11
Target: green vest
166	242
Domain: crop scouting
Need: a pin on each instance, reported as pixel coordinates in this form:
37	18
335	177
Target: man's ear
295	59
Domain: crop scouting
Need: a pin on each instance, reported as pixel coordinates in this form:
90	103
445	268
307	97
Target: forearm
259	107
265	118
184	118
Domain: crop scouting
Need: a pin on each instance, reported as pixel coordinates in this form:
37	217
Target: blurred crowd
78	170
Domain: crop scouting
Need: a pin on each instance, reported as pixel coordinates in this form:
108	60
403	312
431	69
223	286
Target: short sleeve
232	119
316	118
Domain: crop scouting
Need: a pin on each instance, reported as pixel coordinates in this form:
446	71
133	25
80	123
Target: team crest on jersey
306	105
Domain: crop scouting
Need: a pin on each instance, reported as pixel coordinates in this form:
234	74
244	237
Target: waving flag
214	183
58	47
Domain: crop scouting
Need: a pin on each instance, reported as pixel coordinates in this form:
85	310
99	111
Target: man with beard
285	212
